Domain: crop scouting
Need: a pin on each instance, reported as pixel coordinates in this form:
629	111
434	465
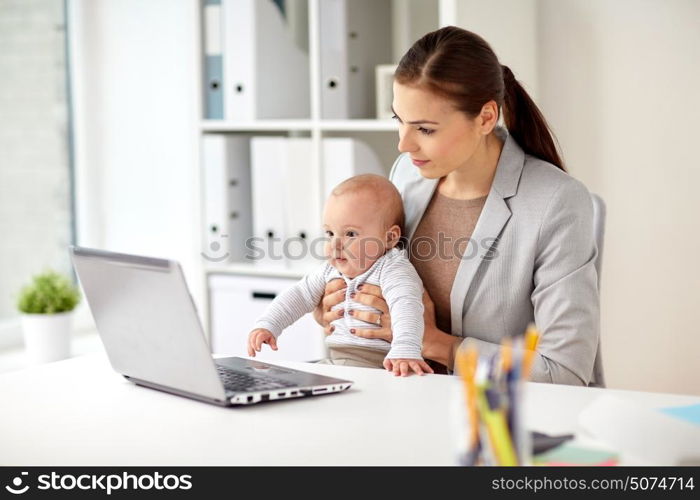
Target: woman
500	234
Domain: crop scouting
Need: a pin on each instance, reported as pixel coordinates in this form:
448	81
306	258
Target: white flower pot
47	336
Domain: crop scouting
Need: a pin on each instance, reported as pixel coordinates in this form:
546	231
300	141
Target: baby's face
357	235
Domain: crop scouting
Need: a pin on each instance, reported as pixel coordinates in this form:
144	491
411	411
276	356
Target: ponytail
461	66
526	123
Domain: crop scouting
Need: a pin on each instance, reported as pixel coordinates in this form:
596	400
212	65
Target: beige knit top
437	247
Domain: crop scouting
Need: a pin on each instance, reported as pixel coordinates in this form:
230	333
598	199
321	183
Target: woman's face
438	137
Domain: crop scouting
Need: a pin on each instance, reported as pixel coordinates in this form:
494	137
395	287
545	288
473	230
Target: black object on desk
544	442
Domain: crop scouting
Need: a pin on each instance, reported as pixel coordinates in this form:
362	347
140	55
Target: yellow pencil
532	338
499	434
466	360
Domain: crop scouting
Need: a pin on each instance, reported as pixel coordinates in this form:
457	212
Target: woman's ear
488	118
393	235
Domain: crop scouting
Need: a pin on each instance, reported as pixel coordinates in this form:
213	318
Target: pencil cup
488	410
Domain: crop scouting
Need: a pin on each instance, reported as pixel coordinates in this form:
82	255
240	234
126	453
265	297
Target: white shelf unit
250	269
213	126
410	19
367	125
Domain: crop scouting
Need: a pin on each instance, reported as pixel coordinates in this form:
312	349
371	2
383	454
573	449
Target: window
35	173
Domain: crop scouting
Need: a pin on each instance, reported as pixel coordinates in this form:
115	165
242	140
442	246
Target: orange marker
532	338
465	361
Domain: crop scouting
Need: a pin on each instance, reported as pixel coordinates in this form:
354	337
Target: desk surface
80	412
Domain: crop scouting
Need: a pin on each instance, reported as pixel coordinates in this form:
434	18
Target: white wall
618	81
411	19
135	91
620	84
510	27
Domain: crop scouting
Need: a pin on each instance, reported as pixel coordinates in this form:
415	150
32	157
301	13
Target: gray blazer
531	258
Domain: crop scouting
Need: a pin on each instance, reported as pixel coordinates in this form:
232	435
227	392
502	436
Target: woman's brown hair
461	66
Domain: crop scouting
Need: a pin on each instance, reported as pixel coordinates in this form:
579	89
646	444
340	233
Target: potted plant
46	305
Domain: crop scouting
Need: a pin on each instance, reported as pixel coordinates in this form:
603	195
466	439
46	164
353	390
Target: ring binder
260	54
354	38
213	63
227	205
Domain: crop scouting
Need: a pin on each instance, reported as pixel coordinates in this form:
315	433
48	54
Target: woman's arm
441	346
543	369
565	296
437	345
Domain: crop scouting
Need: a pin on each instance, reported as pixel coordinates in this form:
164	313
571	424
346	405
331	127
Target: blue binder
213	61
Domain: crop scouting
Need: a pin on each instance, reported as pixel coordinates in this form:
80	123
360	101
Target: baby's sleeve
294	302
403	291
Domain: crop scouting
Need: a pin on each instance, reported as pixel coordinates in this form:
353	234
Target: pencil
466	360
506	356
532	338
497	426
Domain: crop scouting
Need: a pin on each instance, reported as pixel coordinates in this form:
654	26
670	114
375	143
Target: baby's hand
403	367
257	338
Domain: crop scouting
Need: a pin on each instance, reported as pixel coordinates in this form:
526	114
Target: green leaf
48	293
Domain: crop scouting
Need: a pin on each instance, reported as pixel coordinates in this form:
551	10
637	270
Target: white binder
355	37
344	157
265	70
269	159
227	204
286	212
302	206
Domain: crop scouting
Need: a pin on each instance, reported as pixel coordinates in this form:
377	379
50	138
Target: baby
363	219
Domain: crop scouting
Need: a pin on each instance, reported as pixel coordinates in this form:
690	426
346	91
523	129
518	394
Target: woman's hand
371	295
334	294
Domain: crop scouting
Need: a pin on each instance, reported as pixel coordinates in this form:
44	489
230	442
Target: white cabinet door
237	301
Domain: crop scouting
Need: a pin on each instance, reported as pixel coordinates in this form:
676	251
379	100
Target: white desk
80	412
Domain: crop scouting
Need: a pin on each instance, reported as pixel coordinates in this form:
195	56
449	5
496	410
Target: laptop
149	326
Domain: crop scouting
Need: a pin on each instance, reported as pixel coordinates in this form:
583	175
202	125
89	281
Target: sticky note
568	454
689	413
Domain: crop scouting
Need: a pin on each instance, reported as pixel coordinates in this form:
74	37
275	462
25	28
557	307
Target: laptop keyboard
242	382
